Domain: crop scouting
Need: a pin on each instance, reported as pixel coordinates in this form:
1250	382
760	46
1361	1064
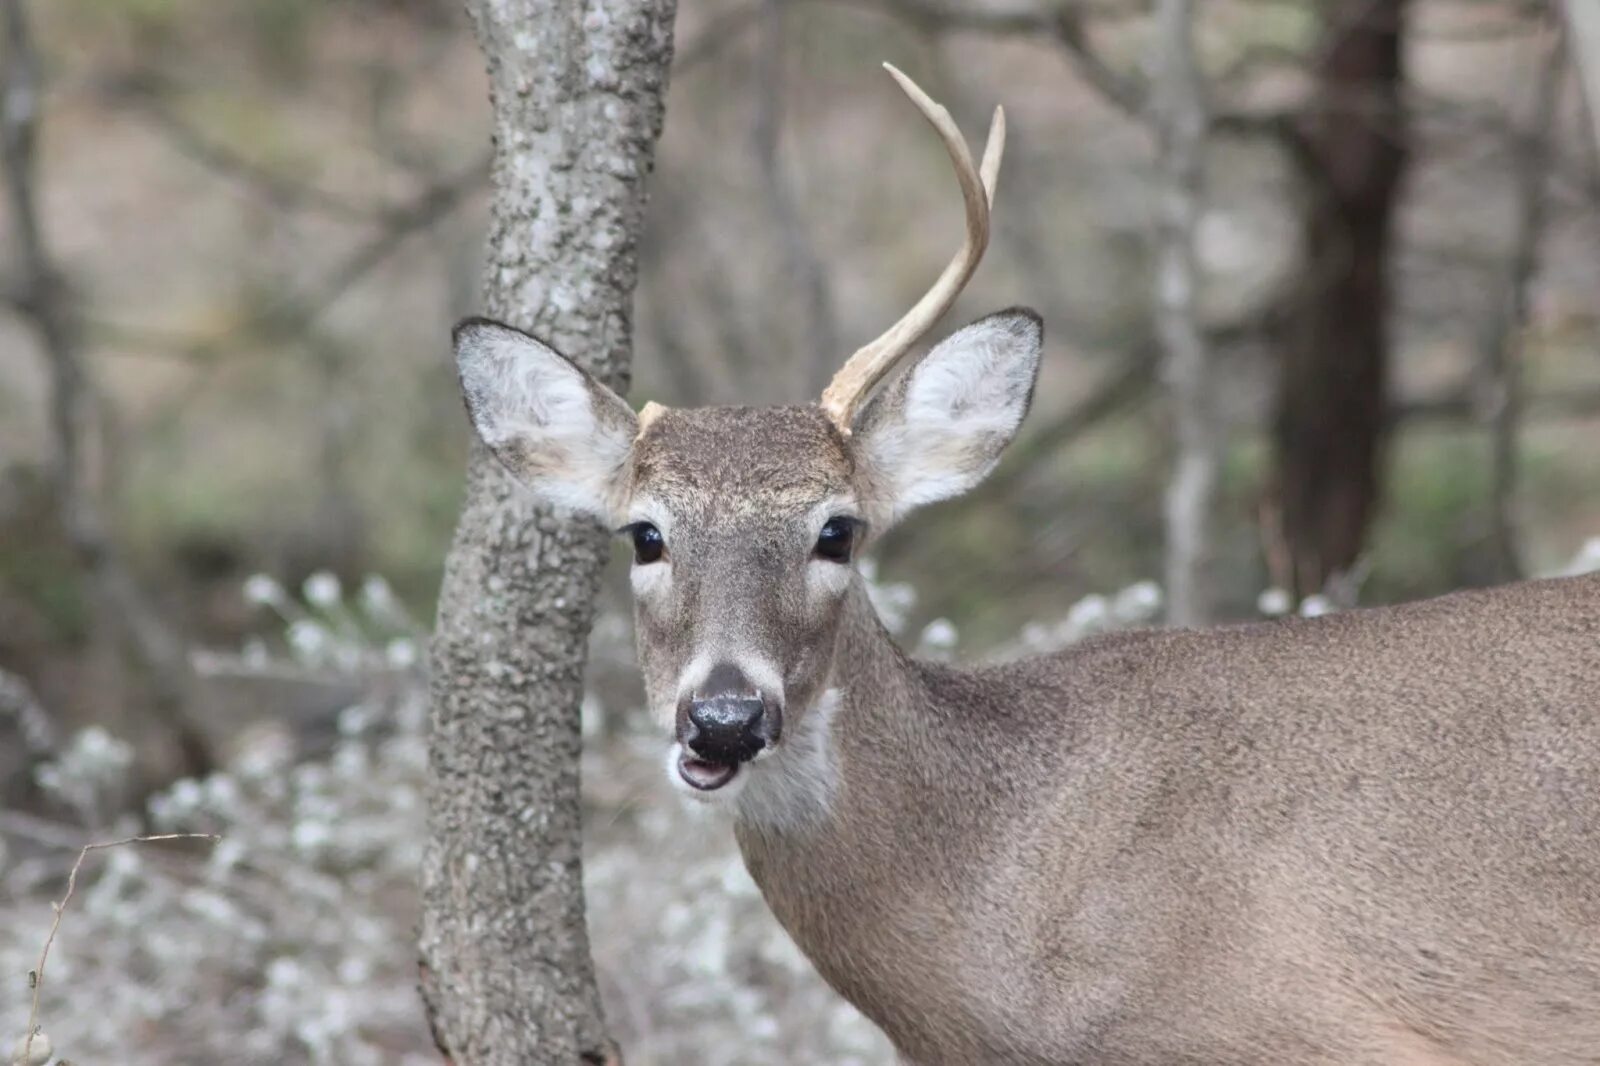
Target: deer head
746	523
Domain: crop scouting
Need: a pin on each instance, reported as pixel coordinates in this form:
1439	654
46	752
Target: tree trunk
1179	112
578	92
1583	25
1330	414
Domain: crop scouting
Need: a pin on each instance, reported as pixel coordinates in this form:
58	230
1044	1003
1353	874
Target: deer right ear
560	432
938	428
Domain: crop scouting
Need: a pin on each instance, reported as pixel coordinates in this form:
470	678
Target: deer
1371	837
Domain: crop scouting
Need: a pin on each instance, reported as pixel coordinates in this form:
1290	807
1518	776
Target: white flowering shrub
289	940
292	939
1137	605
90	776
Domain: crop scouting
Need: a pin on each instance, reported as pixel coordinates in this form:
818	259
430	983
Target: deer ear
560	432
940	425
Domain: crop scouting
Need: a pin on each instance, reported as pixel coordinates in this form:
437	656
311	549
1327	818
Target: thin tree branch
293	318
400	223
1125	92
278	190
36	976
1067	25
1118	391
1115	393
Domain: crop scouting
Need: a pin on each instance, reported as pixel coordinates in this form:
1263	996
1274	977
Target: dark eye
836	540
647	543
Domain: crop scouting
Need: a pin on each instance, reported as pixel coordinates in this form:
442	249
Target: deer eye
838	536
648	544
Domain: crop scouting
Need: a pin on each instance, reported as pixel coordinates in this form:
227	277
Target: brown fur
1371	838
1367	838
741	460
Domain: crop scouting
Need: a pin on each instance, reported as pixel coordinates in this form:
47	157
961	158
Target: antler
856	379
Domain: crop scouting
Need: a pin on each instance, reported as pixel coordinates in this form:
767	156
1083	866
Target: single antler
857	378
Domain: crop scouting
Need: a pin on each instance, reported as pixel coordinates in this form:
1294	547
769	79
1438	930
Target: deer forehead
775	463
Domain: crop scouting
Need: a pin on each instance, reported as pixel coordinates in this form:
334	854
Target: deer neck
855	851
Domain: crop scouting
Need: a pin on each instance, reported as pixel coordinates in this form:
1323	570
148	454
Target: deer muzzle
726	722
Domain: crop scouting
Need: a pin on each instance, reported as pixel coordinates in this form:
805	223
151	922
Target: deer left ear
939	427
560	432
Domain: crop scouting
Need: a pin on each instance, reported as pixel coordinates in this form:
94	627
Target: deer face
746	523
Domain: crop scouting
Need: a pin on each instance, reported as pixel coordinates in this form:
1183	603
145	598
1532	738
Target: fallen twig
36	975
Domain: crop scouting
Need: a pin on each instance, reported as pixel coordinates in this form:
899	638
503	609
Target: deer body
1367	838
1371	838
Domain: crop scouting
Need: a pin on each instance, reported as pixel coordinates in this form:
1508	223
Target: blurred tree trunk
47	302
1583	24
1330	407
578	92
1177	105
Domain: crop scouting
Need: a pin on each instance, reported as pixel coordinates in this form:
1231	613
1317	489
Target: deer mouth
705	775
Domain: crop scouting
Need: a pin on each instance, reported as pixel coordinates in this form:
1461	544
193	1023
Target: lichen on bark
578	92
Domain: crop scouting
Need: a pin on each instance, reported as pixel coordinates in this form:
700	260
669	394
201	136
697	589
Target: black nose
726	720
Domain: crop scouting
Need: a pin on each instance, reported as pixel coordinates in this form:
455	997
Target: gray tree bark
578	92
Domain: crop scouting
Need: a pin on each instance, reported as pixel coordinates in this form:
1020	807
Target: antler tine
868	366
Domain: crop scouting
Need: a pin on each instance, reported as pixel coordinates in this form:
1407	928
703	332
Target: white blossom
322	589
401	653
1274	602
1088	614
1139	602
1316	606
263	591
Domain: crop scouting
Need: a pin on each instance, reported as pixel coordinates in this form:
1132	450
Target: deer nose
726	719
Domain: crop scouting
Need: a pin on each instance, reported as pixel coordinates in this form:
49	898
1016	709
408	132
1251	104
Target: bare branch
400	223
293	318
1115	393
36	978
1119	390
1123	91
279	190
1067	25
